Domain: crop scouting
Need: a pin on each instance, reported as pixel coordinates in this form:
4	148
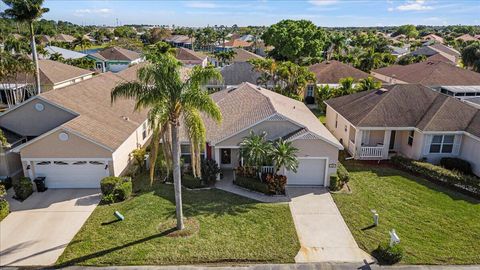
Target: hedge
108	184
333	182
457	164
252	184
115	189
342	173
191	182
23	188
4	208
437	173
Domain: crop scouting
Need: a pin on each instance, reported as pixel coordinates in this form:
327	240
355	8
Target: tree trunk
35	58
154	153
177	181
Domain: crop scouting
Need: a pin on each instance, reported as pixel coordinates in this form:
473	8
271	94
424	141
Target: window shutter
456	144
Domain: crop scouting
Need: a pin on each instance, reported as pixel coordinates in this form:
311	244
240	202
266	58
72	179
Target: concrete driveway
323	234
38	229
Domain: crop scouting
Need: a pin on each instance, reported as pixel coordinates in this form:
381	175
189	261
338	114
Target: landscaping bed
251	184
231	229
436	225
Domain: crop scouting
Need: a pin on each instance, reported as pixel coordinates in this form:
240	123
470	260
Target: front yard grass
435	225
232	229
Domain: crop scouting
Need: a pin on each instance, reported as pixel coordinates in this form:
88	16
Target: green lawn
233	229
436	226
320	115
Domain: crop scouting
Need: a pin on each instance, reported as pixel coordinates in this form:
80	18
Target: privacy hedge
252	184
457	164
456	179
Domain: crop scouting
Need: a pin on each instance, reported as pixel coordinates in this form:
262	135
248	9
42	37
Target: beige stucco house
74	136
247	108
407	119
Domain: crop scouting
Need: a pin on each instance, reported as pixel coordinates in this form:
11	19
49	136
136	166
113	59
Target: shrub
3	191
108	184
342	173
4	208
385	254
252	184
310	100
6	182
276	184
457	164
23	188
333	182
210	170
246	171
437	173
191	182
109	198
123	191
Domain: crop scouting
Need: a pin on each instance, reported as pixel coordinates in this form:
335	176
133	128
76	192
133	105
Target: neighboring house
410	120
53	75
180	41
66	54
236	74
191	58
398	51
241	55
75	136
430	73
234	43
64	38
430	50
115	59
248	108
434	38
45	39
466	37
330	73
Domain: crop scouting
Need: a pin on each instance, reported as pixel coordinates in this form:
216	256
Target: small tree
139	158
368	84
256	150
283	154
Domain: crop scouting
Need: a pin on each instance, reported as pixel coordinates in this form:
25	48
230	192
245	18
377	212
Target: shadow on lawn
110	250
387	170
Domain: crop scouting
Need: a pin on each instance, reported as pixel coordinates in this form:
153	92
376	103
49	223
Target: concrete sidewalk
323	234
38	229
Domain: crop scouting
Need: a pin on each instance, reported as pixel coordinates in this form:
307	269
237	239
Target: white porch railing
268	169
371	152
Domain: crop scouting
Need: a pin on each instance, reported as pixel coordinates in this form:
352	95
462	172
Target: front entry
226	156
392	140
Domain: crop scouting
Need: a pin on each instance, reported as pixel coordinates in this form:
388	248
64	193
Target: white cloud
323	2
200	4
413	5
99	11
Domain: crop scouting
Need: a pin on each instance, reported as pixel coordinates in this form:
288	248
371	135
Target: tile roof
249	104
116	54
431	73
98	119
242	55
332	71
235	43
408	105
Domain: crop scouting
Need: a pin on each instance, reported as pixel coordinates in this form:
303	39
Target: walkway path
323	234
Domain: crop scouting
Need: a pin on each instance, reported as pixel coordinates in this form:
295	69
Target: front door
226	156
392	140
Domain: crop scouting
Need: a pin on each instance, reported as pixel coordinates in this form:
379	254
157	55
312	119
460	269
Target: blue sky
266	12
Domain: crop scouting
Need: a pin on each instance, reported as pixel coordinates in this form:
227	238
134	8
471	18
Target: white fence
268	169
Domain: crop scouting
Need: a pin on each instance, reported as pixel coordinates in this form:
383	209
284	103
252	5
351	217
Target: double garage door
71	173
310	172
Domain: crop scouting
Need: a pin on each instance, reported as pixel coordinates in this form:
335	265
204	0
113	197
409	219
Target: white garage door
310	172
71	174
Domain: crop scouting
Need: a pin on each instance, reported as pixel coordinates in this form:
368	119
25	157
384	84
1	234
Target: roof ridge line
436	112
381	101
473	117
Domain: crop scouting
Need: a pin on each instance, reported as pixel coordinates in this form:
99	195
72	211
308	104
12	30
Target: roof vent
381	91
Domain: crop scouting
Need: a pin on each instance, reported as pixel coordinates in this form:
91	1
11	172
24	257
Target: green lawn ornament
119	216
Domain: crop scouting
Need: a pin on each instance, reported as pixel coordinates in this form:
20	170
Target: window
410	137
144	131
186	155
442	144
310	90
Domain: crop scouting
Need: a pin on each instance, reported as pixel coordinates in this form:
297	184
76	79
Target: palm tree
471	56
368	83
82	42
173	101
322	93
27	11
256	150
191	35
370	60
225	56
15	70
346	86
284	155
56	57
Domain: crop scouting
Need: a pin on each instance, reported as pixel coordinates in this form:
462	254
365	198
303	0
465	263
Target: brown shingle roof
242	55
332	71
186	55
53	72
408	105
117	54
431	73
466	37
64	38
248	104
98	119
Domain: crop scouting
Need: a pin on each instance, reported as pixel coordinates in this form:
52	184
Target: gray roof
408	105
398	50
238	73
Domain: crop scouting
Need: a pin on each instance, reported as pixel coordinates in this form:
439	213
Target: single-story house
64	38
433	37
115	59
432	73
406	119
249	107
438	48
330	73
66	54
235	74
466	38
241	55
53	75
180	41
190	58
74	136
233	43
398	51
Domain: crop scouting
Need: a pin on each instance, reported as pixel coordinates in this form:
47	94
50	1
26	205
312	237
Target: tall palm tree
284	155
15	70
27	11
173	101
82	42
225	56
